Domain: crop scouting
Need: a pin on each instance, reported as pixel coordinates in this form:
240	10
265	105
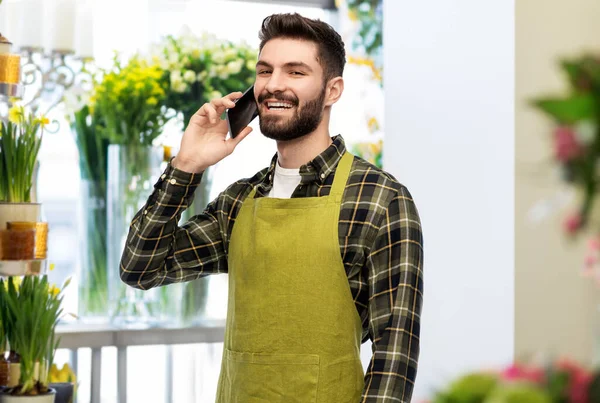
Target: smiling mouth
278	106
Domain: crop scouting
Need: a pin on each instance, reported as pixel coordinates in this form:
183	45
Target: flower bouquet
197	69
129	103
30	309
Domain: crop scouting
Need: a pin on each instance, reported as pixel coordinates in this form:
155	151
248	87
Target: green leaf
568	110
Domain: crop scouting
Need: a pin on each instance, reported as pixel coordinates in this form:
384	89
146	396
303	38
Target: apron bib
293	333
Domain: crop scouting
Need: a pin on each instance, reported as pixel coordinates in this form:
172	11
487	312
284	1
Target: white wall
449	99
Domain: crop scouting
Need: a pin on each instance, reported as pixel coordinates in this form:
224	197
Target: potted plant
20	141
30	310
64	381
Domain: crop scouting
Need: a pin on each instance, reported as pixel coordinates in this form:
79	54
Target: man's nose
275	84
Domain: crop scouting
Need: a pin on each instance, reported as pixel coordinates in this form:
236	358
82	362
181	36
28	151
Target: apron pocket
270	378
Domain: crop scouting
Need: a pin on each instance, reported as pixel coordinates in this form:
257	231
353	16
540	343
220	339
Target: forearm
157	250
395	270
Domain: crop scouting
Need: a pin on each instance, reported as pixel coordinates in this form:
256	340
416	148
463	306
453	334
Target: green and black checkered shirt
380	242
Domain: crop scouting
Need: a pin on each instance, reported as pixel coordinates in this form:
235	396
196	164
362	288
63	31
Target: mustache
278	96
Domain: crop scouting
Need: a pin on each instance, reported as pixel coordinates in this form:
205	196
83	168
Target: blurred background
487	111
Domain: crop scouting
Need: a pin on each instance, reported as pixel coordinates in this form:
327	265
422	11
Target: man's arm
159	252
395	270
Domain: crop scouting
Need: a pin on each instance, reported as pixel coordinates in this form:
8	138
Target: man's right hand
205	141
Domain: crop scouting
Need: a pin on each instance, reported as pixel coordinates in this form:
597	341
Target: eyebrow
286	65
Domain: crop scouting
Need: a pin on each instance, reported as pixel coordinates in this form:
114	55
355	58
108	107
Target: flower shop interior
486	111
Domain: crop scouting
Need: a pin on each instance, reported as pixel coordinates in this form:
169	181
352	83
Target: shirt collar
318	168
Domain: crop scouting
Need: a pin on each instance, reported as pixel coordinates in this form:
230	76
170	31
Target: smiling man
323	250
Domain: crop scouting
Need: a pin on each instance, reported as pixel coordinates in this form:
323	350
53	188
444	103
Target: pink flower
566	146
579	380
594	244
573	223
517	372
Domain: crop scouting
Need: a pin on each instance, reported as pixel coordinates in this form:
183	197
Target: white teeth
278	105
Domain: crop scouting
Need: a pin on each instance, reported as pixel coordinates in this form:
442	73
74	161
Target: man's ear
335	88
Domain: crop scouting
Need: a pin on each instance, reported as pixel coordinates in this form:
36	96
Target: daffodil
16	114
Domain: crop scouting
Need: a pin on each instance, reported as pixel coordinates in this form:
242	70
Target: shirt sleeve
395	270
158	251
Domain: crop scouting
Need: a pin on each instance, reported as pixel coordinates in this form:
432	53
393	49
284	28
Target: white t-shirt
285	182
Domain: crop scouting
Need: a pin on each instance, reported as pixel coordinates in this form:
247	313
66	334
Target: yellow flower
16	114
43	121
54	290
152	101
373	124
17	282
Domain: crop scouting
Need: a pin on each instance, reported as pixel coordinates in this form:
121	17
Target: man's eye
297	73
264	72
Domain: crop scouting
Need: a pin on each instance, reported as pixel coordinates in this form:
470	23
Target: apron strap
341	176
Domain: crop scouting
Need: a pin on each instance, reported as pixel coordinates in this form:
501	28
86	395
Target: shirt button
163	176
145	212
322	176
270	177
173	181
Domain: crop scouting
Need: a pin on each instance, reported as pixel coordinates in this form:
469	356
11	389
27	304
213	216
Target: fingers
211	111
233	142
220	104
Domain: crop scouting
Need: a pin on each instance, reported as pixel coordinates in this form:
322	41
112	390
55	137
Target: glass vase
195	297
132	173
93	274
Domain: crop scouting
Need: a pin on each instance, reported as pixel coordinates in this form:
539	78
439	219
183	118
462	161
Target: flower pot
64	392
45	398
29	212
19	212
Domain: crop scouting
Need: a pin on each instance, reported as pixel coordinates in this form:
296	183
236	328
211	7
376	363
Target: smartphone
244	112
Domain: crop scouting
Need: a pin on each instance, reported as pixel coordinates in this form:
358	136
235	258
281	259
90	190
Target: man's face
289	89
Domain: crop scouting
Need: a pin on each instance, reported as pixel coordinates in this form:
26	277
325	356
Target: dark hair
331	52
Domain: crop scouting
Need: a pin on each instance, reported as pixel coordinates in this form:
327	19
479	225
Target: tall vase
196	292
93	275
132	173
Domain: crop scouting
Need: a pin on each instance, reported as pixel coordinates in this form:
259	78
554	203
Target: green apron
293	333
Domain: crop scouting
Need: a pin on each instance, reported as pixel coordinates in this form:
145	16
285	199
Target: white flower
189	76
176	76
251	65
234	67
75	99
179	86
213	71
218	57
202	76
231	53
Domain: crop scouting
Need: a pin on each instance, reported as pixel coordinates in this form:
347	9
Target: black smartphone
244	112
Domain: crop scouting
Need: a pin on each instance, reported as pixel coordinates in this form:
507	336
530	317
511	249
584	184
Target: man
323	250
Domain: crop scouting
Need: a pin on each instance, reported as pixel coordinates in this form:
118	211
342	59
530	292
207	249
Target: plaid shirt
380	242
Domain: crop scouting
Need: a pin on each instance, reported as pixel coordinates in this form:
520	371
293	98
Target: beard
305	119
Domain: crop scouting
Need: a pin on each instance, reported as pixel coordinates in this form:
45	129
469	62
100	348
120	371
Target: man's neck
293	154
